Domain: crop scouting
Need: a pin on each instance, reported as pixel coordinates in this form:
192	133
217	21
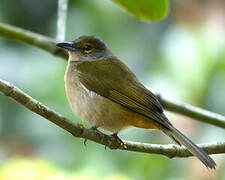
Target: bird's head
86	48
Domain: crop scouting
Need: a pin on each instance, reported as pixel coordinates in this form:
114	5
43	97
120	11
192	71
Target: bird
106	94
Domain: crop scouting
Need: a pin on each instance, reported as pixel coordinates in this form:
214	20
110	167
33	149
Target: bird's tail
193	148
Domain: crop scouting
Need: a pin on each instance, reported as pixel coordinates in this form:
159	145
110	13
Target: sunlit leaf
150	10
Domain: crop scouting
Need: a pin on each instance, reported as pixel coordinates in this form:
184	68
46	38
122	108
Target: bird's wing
112	79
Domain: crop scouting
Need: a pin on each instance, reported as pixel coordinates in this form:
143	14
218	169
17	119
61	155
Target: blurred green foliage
145	9
181	57
37	169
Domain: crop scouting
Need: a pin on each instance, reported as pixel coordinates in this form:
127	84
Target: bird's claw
117	138
98	132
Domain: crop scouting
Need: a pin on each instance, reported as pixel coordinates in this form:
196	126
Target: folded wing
112	79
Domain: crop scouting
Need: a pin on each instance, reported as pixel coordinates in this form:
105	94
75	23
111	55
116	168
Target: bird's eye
87	48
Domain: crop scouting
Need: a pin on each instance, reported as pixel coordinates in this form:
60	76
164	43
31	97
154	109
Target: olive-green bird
105	93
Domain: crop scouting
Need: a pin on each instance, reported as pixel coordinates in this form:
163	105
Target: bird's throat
74	56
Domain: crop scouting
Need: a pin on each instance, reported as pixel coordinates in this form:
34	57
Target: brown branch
78	130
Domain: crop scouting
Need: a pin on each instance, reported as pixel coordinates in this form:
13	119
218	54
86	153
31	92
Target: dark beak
66	45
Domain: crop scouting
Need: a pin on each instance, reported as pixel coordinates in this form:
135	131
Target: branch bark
196	113
32	39
78	130
48	44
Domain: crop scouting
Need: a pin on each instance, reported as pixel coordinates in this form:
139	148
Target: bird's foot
95	128
117	138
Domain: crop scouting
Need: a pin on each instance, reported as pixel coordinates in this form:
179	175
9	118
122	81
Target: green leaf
150	10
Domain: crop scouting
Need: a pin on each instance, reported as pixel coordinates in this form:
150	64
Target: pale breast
93	108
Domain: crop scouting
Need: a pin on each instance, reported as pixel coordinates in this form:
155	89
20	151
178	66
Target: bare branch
31	38
61	23
194	112
48	44
78	130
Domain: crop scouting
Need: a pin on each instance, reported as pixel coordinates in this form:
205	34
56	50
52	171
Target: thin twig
78	130
61	23
48	44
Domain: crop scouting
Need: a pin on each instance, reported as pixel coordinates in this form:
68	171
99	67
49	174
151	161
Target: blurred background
182	57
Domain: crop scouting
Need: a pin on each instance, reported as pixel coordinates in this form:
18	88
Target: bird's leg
98	132
117	138
95	128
